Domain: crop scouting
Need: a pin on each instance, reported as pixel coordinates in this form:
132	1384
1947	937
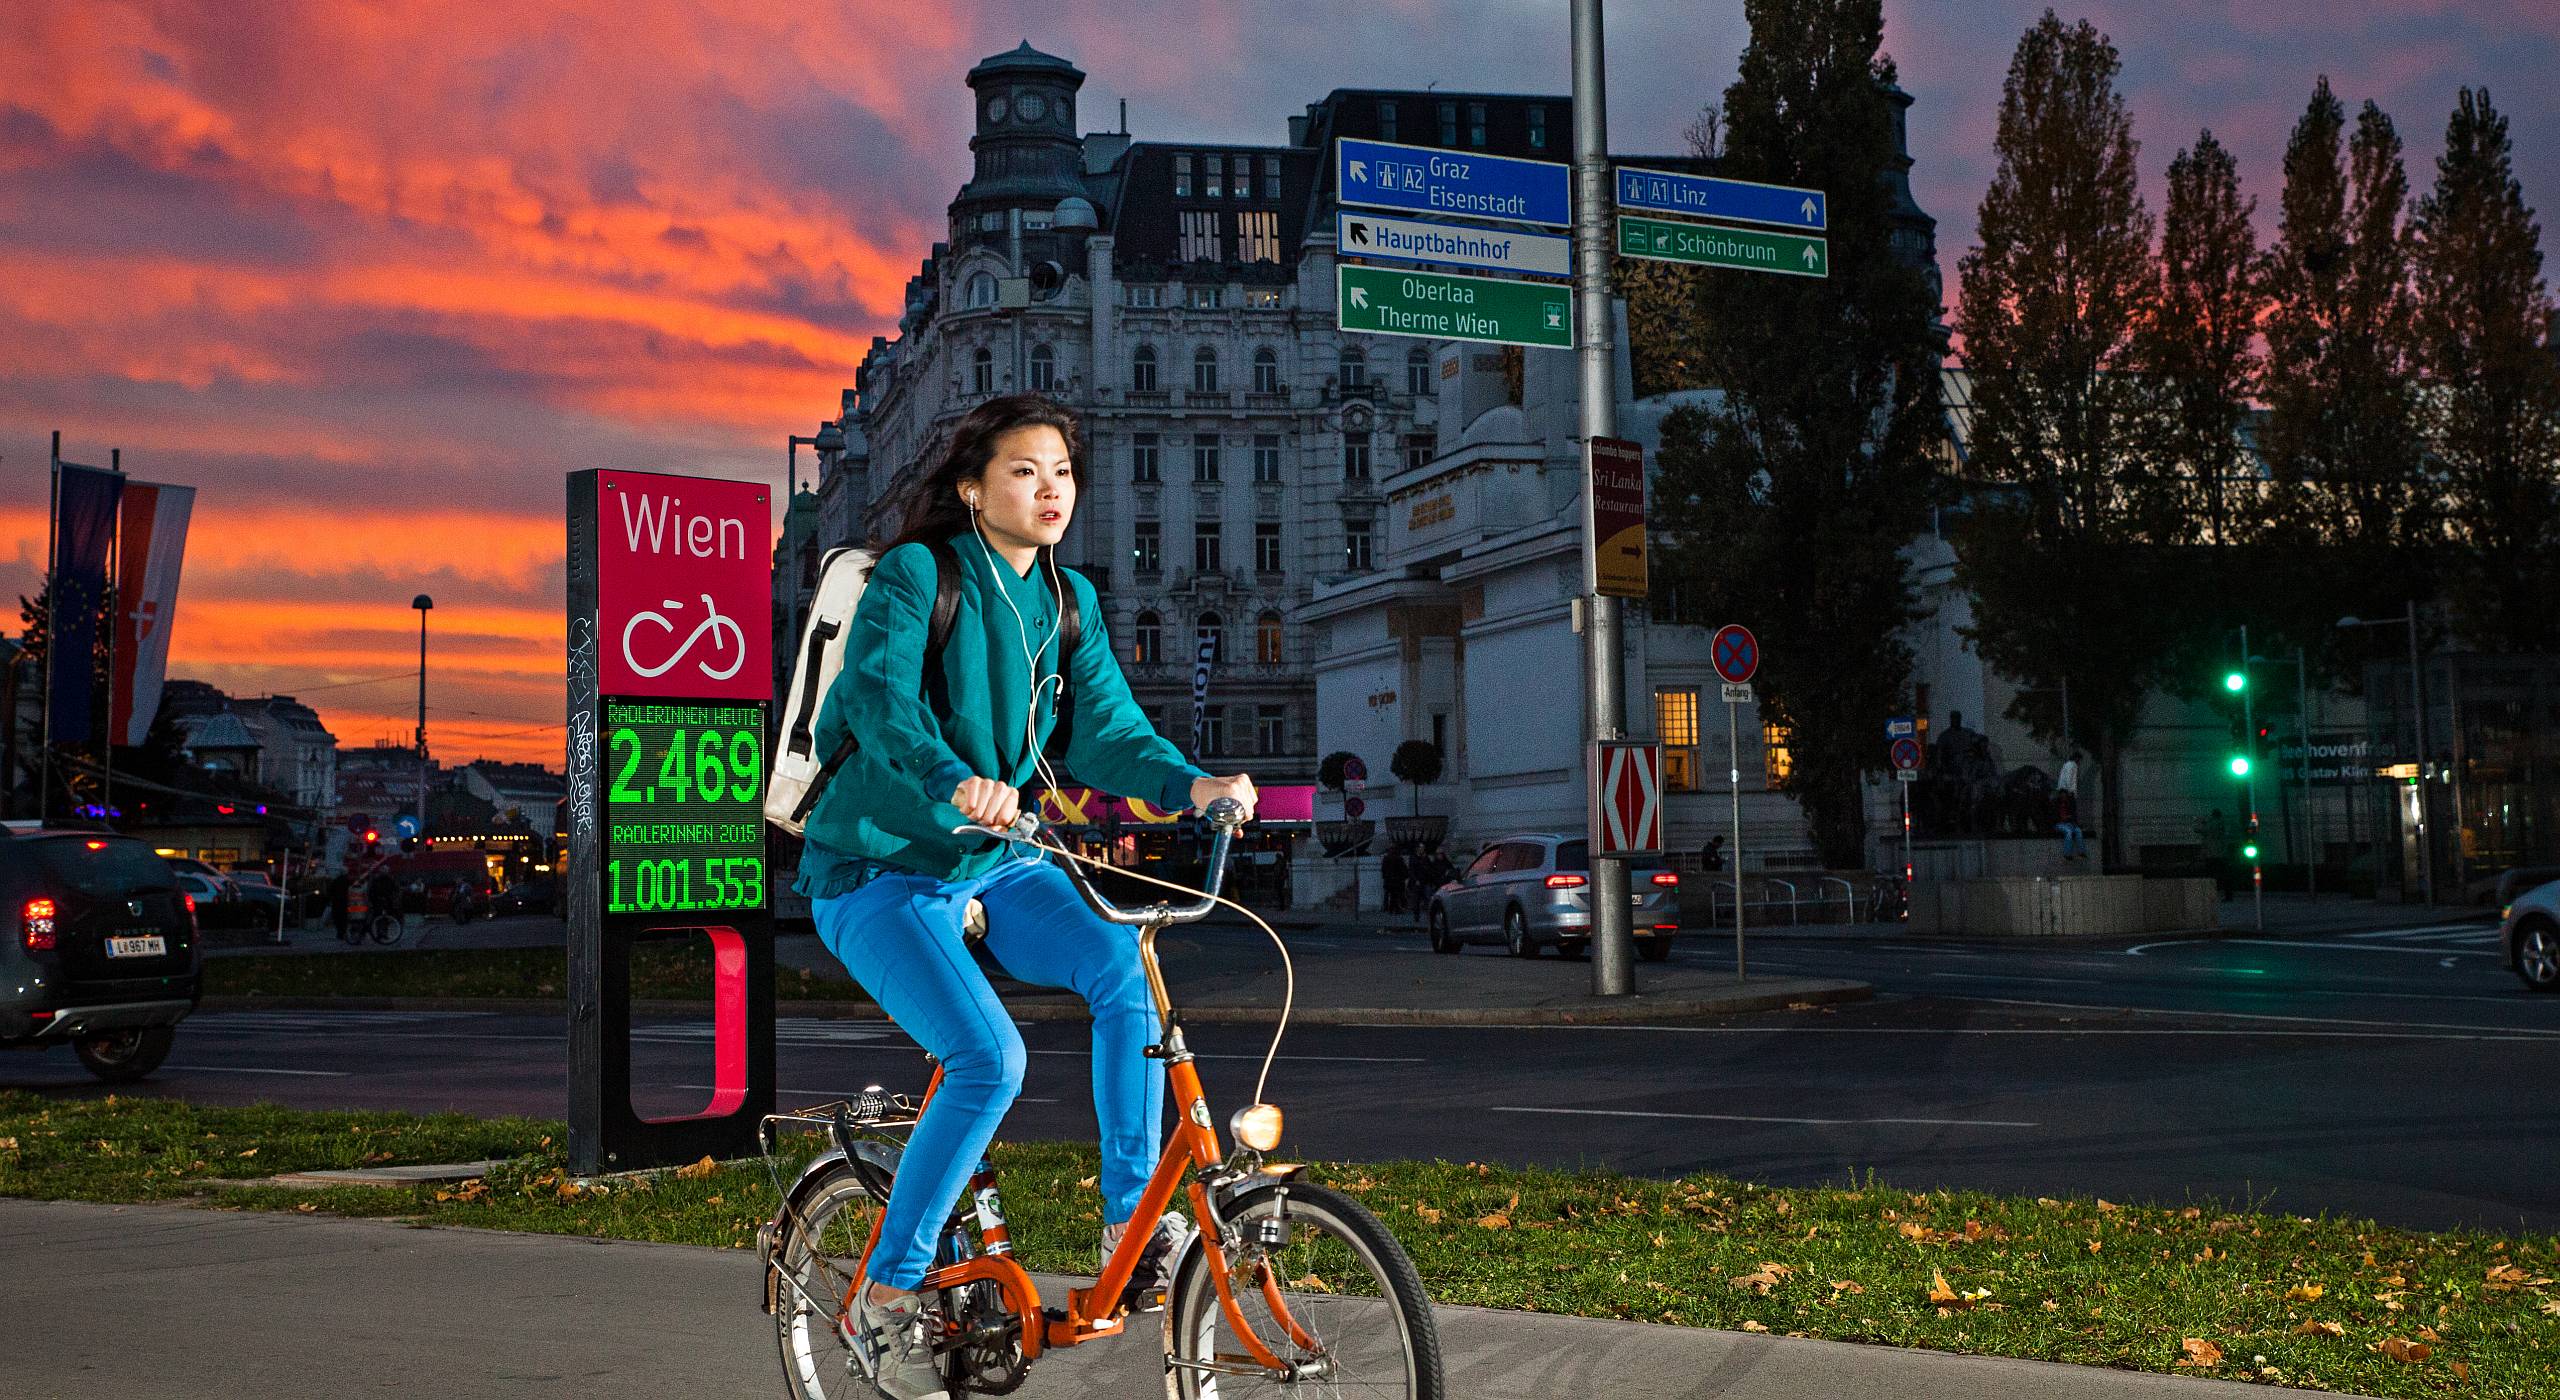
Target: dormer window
1182	176
981	292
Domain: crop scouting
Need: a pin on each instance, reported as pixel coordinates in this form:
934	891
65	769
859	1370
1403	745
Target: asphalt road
2399	1073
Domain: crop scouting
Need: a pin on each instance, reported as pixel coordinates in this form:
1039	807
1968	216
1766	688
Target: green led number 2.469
683	808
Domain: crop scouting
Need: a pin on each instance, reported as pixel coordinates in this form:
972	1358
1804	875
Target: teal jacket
890	804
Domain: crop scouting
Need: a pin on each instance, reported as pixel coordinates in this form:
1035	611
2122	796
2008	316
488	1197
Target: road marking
827	1093
2349	947
244	1069
2538	1037
1753	1118
2525	1032
1284	1059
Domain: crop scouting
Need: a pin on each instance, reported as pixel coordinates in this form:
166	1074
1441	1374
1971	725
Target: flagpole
52	533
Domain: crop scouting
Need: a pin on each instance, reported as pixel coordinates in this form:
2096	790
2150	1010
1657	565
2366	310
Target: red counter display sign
683	582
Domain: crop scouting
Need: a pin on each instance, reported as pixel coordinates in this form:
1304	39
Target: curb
1630	1011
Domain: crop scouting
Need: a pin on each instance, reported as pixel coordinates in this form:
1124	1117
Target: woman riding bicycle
890	884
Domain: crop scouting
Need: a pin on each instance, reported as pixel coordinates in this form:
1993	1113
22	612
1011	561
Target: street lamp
829	439
2418	738
422	603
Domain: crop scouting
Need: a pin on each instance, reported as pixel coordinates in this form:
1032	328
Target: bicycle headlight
1256	1126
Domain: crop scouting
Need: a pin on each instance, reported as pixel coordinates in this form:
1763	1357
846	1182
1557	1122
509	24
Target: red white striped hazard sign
1626	799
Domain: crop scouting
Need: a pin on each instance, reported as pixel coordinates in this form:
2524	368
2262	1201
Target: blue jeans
2072	844
899	934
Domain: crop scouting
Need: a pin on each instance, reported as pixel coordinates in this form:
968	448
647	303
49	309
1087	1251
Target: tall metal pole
1733	775
53	628
113	609
2418	726
2310	813
2249	829
1604	713
422	603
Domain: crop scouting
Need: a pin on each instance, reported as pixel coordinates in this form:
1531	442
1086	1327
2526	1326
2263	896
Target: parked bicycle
1287	1288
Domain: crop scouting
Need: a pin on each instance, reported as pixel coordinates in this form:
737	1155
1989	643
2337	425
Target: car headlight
1256	1126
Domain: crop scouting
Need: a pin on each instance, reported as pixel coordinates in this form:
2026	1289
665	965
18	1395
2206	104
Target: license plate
147	946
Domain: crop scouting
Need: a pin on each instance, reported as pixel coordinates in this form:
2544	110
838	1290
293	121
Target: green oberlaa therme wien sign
1443	306
1710	245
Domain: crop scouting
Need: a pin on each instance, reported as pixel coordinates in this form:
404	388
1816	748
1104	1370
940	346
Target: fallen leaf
1764	1278
1939	1292
2507	1277
698	1170
2461	1370
2107	1205
2552	1307
713	1201
1749	1326
1312	1284
2402	1349
252	1152
1085	1181
2315	1328
2200	1352
2304	1293
1429	1215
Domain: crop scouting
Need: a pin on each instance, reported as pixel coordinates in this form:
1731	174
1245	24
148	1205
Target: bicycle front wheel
819	1252
386	929
1324	1288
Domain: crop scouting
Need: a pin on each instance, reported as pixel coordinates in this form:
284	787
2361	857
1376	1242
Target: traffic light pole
1603	663
2249	739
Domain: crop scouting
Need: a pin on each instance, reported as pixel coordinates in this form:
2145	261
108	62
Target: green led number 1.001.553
684	825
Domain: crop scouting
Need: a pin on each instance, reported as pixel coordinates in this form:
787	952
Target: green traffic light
2250	850
2236	681
2239	765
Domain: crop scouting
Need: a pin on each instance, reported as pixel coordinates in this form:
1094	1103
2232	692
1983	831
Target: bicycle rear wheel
387	929
1363	1325
819	1253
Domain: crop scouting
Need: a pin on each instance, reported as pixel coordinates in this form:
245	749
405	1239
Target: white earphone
1022	631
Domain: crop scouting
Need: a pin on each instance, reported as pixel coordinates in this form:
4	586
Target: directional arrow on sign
1810	261
1808	209
1360	171
1360	297
1359	234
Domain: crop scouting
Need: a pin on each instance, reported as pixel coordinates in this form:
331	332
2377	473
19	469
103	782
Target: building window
1267	633
982	291
1200	235
1417	372
1146	640
1213	630
1271	177
1142	457
1266	459
1044	369
1537	128
1271	728
1675	720
1207	296
1213	182
1258	236
1355	548
1262	298
1204	457
1204	370
1419	449
1781	760
1206	556
1355	456
1142	370
982	371
1213	730
1448	123
1387	122
1148	295
1354	366
1148	555
1475	123
1266	371
1182	177
1266	553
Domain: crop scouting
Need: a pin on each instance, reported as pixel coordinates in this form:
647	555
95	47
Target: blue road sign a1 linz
1707	197
1428	180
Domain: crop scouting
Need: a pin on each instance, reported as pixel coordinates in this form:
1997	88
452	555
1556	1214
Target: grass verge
2194	1289
658	973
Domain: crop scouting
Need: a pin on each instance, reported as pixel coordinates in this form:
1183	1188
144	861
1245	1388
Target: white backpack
800	774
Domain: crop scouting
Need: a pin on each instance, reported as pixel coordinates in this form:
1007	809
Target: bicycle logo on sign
713	623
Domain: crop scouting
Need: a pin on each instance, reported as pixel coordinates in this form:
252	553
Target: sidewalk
151	1301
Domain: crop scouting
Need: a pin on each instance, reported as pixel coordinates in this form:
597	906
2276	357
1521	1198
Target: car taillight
191	907
35	924
1665	877
1564	882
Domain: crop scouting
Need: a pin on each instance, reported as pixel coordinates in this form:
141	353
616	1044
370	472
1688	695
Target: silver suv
1525	892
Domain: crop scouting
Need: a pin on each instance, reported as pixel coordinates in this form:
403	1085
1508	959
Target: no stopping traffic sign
1736	652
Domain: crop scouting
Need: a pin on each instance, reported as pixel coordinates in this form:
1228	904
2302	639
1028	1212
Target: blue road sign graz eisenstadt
1428	180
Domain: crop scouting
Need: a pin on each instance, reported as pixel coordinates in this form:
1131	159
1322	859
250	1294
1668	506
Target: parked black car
100	949
535	896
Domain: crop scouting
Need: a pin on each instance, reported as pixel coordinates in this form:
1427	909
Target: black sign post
669	626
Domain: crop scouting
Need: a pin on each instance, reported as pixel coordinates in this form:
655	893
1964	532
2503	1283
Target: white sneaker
1148	1281
890	1341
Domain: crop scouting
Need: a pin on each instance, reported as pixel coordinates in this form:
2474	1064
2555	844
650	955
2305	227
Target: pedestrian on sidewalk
1711	856
1392	870
2066	809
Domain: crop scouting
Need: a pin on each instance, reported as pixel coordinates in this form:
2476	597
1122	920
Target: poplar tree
2200	348
1786	503
2491	402
2058	546
2340	437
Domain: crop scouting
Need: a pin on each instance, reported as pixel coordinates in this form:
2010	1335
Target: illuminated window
1258	236
1146	646
1675	719
1781	761
1266	639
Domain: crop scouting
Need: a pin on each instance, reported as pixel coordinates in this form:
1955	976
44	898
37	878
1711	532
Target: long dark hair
933	509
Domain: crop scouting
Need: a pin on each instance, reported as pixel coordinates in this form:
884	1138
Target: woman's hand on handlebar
988	802
1207	790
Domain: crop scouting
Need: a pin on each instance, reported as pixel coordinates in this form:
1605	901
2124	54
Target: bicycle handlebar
1225	815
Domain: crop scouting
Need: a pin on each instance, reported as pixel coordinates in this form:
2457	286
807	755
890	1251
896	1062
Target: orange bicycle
1286	1288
